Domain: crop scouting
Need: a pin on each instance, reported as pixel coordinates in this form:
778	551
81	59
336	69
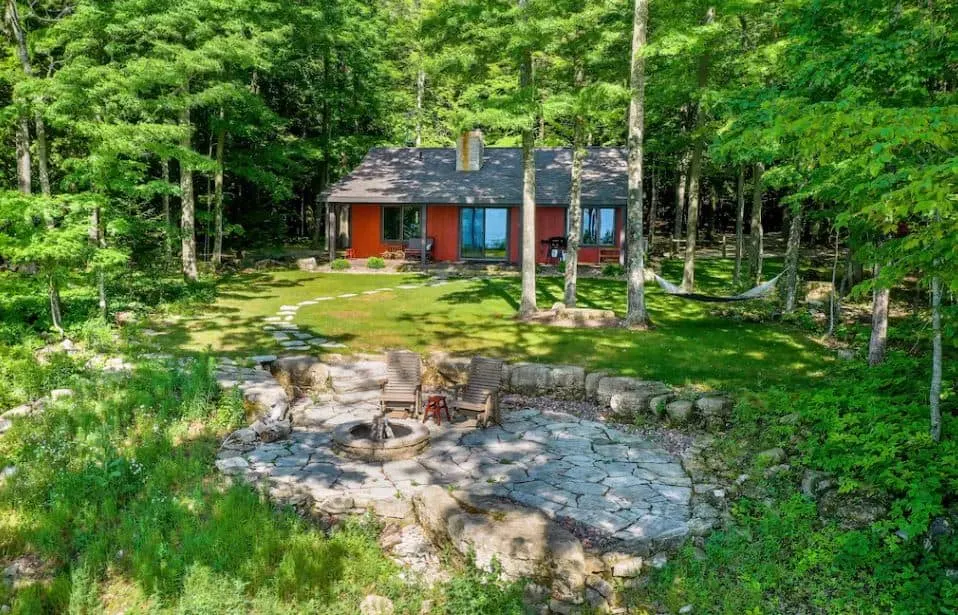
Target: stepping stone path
612	484
286	334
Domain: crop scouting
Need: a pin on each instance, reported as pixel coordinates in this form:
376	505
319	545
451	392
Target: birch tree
636	315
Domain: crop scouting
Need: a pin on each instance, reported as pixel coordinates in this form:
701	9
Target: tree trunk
53	291
739	224
695	171
792	258
527	304
420	93
653	210
98	240
834	305
167	213
188	206
218	195
575	201
681	189
636	315
43	157
879	337
934	395
22	140
755	256
331	231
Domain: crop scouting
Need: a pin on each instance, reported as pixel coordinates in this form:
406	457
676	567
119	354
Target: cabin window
402	223
598	226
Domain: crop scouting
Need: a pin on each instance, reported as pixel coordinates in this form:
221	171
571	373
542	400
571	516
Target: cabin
464	202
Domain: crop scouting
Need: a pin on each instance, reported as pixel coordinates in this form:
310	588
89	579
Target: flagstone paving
614	483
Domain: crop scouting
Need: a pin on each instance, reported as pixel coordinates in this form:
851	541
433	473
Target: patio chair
480	393
403	386
413	248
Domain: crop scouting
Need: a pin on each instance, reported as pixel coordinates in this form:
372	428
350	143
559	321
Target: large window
598	226
484	232
402	223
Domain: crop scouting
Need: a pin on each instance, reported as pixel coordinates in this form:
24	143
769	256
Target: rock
376	605
336	504
568	382
56	394
306	264
232	465
270	430
602	586
853	511
846	354
627	568
776	470
302	373
265	399
688	608
530	379
526	543
679	411
262	358
592	380
448	370
791	418
610	385
392	508
659	560
815	483
241	440
596	601
563	607
714	405
629	403
771	457
657	404
533	594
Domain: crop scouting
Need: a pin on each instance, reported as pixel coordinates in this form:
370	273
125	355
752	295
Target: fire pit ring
354	439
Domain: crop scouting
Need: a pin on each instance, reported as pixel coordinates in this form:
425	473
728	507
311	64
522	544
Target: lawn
689	344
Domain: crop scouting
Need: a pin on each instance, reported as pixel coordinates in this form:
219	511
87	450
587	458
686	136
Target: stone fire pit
355	439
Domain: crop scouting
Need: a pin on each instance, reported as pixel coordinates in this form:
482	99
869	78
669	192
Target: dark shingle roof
427	175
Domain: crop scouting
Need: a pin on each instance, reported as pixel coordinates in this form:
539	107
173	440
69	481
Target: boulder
232	465
657	404
852	510
271	430
610	385
568	382
449	370
57	394
303	373
306	264
679	411
714	405
629	403
771	457
376	605
265	400
627	568
530	379
524	542
592	383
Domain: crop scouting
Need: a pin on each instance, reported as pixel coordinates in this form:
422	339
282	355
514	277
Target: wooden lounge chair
480	393
413	248
403	386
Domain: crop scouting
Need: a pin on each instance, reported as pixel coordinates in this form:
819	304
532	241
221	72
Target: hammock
759	292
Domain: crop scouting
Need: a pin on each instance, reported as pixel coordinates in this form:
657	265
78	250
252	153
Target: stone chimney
469	150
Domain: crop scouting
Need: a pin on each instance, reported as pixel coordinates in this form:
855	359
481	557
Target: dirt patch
574	318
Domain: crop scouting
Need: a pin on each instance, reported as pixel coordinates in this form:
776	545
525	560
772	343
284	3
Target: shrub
375	262
613	270
340	264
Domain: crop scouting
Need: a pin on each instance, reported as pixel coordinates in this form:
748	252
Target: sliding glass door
484	233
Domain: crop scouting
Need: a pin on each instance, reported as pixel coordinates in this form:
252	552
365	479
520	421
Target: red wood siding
442	224
367	231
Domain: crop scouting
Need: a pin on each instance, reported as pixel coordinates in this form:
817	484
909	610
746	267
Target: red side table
435	406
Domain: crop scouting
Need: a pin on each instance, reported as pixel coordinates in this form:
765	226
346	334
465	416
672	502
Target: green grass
688	344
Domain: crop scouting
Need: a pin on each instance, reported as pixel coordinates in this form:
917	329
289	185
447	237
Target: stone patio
611	483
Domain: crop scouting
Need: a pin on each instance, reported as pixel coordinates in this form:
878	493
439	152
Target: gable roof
428	175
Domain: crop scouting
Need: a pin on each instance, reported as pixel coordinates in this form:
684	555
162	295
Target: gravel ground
675	441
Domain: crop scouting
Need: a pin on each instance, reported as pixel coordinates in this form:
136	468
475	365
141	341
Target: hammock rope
759	292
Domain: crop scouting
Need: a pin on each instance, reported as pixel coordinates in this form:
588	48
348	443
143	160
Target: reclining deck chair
480	393
403	387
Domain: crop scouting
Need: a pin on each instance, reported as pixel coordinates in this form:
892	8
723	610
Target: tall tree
879	335
695	166
527	303
636	315
739	224
756	232
792	253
